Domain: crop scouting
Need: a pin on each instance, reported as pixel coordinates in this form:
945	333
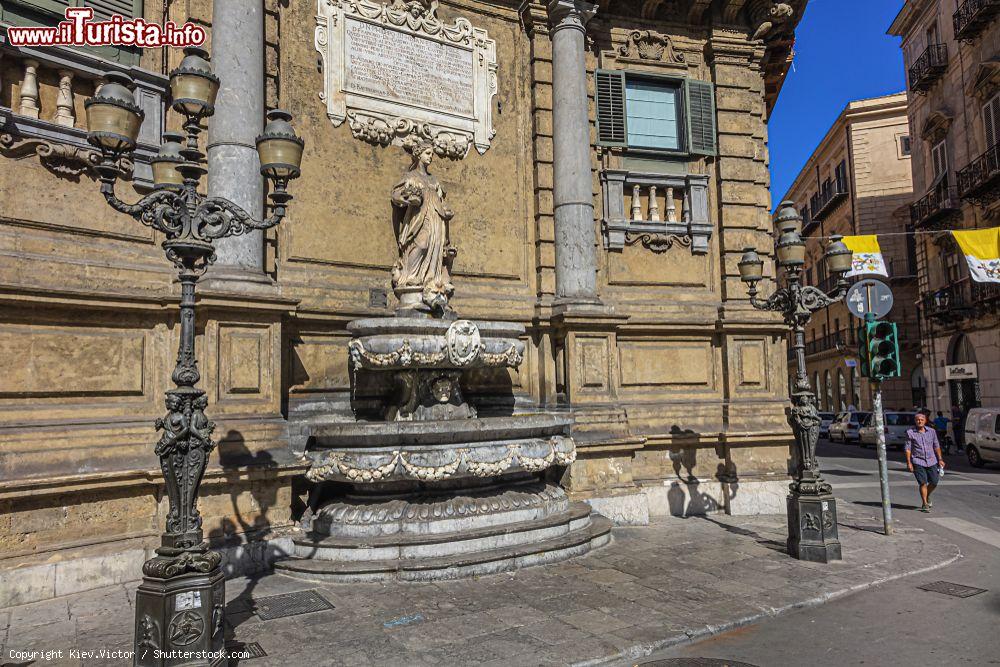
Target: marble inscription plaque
408	69
393	70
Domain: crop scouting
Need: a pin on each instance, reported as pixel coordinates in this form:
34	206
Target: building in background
857	181
951	52
603	188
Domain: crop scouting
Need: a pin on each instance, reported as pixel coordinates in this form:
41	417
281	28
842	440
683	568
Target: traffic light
879	350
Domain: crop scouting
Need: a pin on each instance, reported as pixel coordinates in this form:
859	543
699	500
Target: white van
982	436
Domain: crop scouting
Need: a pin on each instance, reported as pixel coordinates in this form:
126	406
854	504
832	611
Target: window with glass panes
939	161
655	113
991	121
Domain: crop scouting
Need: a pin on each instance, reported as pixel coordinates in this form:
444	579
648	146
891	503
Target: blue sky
841	54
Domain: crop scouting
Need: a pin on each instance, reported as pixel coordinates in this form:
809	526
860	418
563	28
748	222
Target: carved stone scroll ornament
60	159
395	70
658	243
650	45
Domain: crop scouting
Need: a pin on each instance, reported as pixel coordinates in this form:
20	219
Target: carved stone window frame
65	149
619	229
383	122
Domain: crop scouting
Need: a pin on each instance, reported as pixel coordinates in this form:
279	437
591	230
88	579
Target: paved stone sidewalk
652	587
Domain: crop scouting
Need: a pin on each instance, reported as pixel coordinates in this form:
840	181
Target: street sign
961	372
851	363
869	296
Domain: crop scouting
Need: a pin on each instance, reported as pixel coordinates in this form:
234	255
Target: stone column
233	164
576	256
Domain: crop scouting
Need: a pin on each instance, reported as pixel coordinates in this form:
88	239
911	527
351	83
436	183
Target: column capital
570	14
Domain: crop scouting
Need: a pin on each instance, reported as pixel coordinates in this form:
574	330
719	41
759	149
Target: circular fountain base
494	527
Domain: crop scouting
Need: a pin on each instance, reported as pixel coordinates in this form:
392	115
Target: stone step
423	545
595	533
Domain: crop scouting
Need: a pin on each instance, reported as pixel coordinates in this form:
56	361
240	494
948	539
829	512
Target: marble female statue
421	277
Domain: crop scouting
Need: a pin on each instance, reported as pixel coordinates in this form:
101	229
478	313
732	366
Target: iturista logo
79	29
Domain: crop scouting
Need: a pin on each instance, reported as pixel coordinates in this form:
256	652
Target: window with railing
972	16
832	191
928	68
940	202
979	181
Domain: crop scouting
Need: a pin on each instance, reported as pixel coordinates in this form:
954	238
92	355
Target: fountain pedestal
434	491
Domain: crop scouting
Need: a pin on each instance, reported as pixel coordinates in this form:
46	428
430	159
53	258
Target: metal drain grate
955	590
695	662
241	651
289	604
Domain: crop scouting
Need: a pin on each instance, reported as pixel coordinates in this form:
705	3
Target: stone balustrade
45	115
656	210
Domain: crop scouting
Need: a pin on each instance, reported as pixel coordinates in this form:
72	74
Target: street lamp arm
160	210
814	299
779	301
221	217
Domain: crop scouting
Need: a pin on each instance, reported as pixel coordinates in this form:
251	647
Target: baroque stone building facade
604	186
857	181
951	51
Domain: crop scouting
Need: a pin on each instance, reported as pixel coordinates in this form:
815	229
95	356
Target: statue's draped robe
422	236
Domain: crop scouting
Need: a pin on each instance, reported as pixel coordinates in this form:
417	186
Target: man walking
923	456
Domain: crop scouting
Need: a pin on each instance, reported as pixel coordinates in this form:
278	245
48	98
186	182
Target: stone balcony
979	181
45	117
827	199
928	68
972	17
655	210
961	300
937	207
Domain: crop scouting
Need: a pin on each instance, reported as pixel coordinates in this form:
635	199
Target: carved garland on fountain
354	470
405	356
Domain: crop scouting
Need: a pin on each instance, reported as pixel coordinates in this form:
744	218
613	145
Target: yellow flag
981	248
867	256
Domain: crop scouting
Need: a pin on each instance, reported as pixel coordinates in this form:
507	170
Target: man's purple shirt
921	447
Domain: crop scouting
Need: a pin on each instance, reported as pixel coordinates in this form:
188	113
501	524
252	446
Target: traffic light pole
883	465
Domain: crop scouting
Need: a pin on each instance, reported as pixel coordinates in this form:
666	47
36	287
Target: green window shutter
103	9
699	97
611	130
27	12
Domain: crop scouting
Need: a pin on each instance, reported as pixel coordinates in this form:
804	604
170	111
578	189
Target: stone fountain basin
434	451
374	326
398	343
456	432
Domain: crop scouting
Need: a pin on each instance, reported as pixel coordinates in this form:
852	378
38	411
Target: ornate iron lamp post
812	509
180	604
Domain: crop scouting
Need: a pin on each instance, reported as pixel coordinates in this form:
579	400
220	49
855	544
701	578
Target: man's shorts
926	475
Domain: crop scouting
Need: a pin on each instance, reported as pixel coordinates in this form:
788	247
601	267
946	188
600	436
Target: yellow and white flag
867	256
981	248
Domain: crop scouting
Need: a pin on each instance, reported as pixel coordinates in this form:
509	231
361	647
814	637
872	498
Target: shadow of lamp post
180	604
812	509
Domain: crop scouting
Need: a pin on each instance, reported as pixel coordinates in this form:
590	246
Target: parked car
982	436
896	426
846	425
824	426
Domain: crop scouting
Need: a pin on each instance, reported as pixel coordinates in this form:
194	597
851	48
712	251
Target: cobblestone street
651	588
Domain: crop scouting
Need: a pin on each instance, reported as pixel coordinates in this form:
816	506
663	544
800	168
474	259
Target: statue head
420	149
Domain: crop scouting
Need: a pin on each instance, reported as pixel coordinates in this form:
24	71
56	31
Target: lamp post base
812	527
180	619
